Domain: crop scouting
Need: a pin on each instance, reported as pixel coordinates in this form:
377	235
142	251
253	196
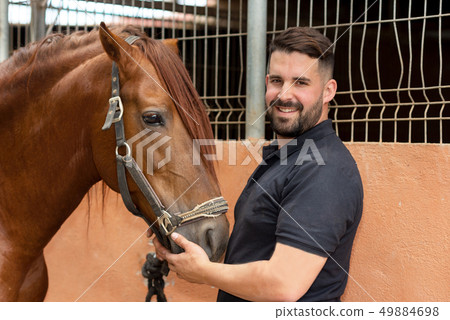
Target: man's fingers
149	233
161	251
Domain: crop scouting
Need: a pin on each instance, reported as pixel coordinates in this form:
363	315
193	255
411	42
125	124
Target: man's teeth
286	109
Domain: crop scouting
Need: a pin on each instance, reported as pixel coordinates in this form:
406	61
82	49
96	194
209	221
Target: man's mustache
287	104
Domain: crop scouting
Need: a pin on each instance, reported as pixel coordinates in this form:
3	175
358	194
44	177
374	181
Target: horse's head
163	120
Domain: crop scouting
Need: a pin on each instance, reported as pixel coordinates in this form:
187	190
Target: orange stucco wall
400	252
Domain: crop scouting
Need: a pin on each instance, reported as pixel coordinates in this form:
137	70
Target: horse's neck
35	76
49	166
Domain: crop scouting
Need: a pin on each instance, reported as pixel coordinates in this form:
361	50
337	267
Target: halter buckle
115	112
117	102
166	223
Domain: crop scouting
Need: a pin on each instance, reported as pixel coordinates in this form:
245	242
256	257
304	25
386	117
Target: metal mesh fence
391	65
392	61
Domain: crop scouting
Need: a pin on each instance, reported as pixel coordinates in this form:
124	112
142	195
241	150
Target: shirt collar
315	133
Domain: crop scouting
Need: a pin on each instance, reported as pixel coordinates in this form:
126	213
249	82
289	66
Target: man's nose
286	93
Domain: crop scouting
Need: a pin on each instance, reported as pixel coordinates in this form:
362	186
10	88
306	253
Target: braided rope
211	209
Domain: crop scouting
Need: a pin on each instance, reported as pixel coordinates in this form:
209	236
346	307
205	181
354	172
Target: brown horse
53	102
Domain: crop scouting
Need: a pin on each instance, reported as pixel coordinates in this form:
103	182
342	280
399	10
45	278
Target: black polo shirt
307	195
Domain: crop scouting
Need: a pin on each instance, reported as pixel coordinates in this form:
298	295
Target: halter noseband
167	222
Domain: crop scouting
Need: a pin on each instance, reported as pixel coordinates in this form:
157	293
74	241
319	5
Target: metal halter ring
127	156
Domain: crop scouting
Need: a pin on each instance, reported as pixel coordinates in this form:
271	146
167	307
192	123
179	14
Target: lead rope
154	270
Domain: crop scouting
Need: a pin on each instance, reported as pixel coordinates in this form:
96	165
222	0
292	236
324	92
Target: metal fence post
37	24
256	68
4	30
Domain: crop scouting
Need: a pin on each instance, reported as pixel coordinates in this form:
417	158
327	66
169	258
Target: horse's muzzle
210	234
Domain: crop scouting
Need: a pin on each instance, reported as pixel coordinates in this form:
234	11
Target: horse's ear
172	45
114	46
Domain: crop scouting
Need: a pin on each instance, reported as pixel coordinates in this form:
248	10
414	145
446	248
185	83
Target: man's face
294	95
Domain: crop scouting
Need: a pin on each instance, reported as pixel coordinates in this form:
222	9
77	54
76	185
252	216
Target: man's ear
172	45
329	91
116	47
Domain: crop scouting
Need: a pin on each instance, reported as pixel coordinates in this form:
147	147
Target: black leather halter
167	222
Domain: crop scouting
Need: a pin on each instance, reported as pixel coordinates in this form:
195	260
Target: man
297	217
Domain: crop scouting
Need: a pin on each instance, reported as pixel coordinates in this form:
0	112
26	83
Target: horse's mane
50	47
64	53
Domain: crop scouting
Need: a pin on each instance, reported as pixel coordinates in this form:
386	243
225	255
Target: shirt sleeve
317	205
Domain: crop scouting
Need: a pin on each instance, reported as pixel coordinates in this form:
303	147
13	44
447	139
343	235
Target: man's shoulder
329	161
328	150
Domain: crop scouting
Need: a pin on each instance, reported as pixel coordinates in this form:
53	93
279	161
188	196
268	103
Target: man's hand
189	265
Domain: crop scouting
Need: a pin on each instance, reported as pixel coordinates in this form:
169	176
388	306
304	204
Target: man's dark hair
308	41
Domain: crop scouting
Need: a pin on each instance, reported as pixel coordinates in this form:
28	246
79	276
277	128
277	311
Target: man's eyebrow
301	79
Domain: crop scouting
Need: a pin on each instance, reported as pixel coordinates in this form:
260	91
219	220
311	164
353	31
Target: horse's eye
152	118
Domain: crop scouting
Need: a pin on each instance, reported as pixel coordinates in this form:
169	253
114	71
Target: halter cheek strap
167	222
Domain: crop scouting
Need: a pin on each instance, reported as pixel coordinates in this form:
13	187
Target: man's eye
152	118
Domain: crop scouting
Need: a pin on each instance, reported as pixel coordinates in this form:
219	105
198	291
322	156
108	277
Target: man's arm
287	276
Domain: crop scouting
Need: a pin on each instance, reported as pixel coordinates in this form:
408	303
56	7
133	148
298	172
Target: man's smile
287	109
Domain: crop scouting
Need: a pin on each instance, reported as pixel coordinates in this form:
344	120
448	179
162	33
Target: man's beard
305	120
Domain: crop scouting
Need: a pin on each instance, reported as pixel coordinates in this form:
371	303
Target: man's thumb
178	239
